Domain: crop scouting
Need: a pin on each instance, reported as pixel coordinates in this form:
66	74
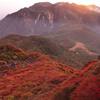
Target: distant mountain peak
44	18
41	4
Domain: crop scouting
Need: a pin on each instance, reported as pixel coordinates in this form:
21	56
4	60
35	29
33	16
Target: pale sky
10	6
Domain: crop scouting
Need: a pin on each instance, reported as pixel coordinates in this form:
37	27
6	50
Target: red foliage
43	78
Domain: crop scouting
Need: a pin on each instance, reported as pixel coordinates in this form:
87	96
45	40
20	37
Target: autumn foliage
35	76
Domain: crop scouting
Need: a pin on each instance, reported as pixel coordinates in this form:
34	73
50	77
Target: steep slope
48	17
34	79
46	79
90	83
80	86
12	58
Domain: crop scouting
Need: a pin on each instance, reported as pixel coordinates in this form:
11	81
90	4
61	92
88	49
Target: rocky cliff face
46	17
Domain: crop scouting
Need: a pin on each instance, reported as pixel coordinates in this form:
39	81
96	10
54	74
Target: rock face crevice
46	17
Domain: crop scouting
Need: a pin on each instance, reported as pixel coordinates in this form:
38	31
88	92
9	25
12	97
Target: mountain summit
45	17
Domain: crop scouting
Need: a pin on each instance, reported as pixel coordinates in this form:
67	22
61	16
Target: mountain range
50	52
55	27
46	18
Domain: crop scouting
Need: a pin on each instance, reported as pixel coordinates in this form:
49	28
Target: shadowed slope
51	48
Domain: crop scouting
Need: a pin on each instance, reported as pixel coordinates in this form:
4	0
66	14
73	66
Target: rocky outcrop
46	17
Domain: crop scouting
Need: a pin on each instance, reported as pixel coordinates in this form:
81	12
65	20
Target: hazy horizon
10	6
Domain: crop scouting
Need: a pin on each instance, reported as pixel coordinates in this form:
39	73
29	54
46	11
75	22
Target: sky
10	6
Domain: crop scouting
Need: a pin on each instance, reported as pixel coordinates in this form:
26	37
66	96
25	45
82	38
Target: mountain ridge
47	18
50	47
62	22
50	52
